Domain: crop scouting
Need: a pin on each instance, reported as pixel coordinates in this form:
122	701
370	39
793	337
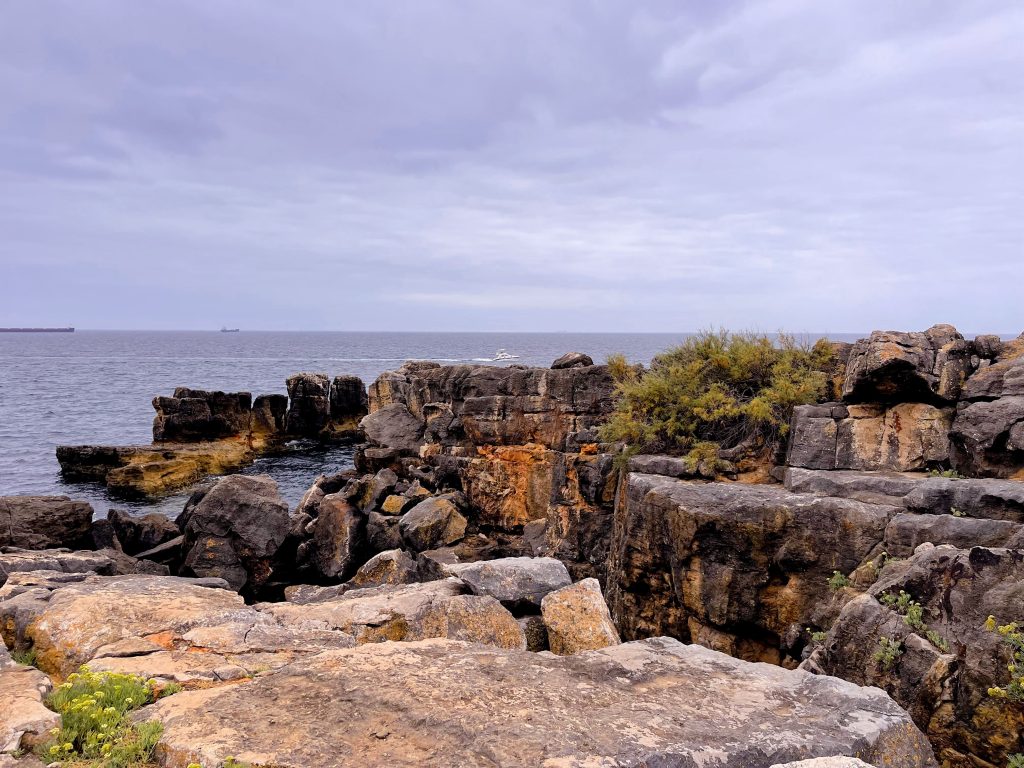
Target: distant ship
37	330
225	329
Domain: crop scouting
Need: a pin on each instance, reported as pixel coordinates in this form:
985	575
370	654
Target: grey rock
194	415
339	537
514	580
393	426
432	523
138	534
59	560
382	532
573	360
309	409
44	522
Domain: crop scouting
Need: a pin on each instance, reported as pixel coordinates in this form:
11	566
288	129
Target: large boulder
942	664
442	703
44	522
434	522
407	612
339	537
892	367
740	568
235	531
24	720
141	533
515	581
577	619
194	415
573	360
393	426
899	438
310	404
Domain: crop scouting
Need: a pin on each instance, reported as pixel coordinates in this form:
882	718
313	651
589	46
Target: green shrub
26	657
1014	638
889	650
716	390
1016	761
837	581
818	637
957	512
938	641
950	474
95	724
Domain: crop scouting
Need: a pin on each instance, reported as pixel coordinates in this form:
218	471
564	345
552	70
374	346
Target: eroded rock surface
444	703
44	522
24	720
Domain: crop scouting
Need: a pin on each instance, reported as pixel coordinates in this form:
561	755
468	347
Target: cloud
588	166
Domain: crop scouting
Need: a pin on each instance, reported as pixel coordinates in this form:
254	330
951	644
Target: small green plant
94	709
1016	761
938	641
1014	638
230	762
837	581
950	474
889	650
26	657
956	512
819	637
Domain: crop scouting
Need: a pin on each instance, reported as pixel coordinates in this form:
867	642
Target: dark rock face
348	404
393	426
310	404
44	522
339	537
946	692
138	534
235	531
739	568
573	360
268	415
908	367
193	415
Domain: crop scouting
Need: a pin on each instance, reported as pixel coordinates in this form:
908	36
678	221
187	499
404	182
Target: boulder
44	522
432	523
577	619
391	567
235	531
892	367
944	687
741	568
348	405
977	498
899	438
174	629
573	360
59	560
24	720
309	408
377	489
339	537
393	426
195	415
269	415
382	532
138	534
407	612
653	702
514	581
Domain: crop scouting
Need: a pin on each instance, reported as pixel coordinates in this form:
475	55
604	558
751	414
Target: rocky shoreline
446	600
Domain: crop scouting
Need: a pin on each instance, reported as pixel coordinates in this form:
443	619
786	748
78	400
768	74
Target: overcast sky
481	165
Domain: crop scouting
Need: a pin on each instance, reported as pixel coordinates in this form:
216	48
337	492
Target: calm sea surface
96	387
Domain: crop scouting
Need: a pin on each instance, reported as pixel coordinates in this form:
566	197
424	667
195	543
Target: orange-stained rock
578	619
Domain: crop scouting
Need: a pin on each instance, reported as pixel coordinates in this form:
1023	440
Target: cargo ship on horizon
37	330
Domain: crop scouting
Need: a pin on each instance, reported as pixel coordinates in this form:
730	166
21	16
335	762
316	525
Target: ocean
97	387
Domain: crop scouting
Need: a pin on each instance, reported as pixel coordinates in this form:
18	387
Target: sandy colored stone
24	719
577	619
439	703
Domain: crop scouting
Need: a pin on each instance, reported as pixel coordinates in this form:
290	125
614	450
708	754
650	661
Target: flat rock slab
444	703
60	560
22	714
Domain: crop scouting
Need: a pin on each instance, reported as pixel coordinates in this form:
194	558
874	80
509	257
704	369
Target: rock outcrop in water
197	434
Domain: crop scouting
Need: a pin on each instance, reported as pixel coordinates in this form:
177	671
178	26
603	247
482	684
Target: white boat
501	354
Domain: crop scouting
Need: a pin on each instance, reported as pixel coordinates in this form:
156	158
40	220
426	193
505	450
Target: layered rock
24	720
443	703
192	415
309	408
945	662
737	567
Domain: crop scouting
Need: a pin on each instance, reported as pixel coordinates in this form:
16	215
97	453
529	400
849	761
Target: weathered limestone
309	408
945	689
60	560
737	567
573	360
234	532
44	522
393	426
339	537
139	534
514	580
408	612
432	523
899	438
348	405
577	619
654	702
906	367
24	720
193	415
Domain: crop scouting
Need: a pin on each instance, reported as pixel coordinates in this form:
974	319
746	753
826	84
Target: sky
576	165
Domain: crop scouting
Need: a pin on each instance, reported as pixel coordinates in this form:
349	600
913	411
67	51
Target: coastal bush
716	391
26	657
837	581
95	727
1013	637
1016	761
889	650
